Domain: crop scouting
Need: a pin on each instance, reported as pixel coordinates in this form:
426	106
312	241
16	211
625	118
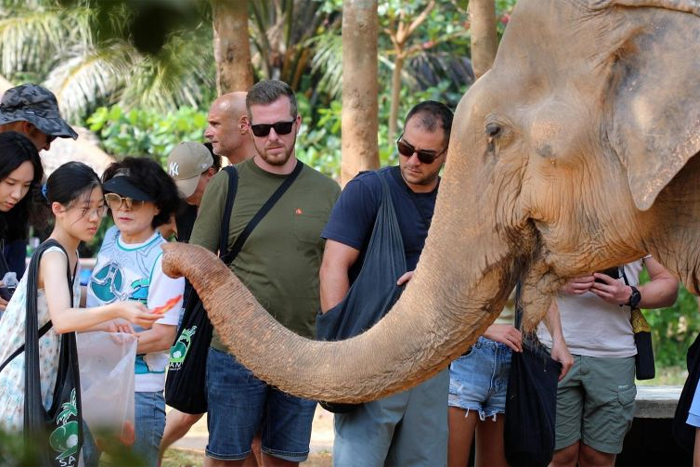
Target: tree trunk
482	14
395	96
360	125
234	71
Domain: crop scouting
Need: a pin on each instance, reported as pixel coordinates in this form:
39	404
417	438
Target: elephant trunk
435	320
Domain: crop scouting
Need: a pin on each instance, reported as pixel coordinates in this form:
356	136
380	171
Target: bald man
228	134
228	128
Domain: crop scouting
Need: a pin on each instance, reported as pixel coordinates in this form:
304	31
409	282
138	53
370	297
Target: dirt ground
190	450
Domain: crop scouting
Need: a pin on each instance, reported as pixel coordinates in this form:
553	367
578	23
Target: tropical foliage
90	52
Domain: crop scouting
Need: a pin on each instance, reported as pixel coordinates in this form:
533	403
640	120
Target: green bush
146	132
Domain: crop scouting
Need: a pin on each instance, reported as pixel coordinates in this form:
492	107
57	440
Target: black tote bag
185	382
374	291
53	437
531	402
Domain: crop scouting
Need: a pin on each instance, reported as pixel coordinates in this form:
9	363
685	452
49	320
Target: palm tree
91	53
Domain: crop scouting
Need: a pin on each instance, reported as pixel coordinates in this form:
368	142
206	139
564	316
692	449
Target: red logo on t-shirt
298	212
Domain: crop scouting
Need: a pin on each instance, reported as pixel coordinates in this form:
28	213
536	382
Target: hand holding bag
531	401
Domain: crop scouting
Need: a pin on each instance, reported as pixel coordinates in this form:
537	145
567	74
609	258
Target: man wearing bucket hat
32	110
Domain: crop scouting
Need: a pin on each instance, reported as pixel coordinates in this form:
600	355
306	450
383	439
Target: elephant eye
493	130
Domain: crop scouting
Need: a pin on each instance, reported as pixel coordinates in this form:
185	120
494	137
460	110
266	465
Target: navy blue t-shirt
352	219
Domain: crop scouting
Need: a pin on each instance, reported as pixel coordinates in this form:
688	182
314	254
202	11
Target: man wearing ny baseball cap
32	110
189	165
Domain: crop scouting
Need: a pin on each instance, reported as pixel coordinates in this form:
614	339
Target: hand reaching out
138	314
506	334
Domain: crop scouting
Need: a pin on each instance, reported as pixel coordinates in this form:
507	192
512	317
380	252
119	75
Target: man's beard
276	160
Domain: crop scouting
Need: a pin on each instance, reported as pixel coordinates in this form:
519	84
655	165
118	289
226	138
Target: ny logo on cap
174	169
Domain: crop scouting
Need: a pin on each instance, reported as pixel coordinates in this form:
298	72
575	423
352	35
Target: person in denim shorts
477	400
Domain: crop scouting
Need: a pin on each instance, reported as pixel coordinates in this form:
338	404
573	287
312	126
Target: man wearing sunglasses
408	428
279	264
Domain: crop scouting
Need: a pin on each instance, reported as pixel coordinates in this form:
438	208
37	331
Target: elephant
572	154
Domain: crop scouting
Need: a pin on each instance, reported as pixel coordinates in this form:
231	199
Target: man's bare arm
338	258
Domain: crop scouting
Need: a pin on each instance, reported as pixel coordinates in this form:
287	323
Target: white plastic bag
107	383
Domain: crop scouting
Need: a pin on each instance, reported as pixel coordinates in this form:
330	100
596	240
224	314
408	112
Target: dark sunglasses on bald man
281	128
425	156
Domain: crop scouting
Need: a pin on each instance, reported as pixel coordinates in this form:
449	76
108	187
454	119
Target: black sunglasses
426	157
281	128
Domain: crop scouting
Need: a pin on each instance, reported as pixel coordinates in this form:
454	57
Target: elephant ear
654	95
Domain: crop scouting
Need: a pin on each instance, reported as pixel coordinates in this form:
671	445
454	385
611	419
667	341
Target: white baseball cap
186	162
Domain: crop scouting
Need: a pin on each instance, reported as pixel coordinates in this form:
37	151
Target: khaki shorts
595	403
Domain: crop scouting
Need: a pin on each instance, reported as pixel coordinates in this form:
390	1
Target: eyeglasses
86	211
425	156
281	128
115	202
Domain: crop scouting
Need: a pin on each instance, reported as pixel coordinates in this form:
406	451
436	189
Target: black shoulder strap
232	188
45	328
236	248
519	305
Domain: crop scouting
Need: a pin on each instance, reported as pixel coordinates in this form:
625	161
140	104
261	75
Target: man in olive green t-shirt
279	263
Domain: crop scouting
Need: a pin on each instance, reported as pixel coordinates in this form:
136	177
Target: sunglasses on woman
425	156
115	202
281	128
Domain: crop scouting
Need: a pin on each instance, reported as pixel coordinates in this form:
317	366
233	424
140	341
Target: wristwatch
635	297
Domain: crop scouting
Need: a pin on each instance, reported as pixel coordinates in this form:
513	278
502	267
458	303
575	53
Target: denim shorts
241	405
479	379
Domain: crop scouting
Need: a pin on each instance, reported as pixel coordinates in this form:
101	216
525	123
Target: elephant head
572	154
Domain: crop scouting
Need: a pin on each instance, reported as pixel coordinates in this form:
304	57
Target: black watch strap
635	297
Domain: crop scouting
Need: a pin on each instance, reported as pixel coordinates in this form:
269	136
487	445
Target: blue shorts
479	379
241	405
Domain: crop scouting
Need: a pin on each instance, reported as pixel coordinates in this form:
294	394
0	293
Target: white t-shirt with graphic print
134	272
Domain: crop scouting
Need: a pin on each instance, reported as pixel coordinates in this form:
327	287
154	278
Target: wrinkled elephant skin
572	154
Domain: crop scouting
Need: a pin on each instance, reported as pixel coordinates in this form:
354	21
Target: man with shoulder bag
408	428
280	208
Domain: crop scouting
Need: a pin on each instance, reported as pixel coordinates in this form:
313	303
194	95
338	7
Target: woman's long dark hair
15	149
